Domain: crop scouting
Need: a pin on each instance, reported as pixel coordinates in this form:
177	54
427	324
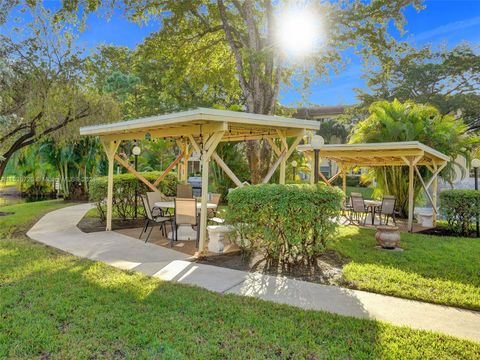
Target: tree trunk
3	166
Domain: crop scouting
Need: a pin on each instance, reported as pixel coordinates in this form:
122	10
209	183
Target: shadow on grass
55	305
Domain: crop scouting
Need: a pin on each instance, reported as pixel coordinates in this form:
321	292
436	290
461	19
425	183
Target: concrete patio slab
58	229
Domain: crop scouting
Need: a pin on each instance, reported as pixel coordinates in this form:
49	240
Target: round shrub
290	223
460	208
124	192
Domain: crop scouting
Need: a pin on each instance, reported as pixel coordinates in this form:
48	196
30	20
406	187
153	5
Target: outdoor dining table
371	205
184	232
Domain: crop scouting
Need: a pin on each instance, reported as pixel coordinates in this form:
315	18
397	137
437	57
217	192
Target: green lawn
56	306
25	214
443	270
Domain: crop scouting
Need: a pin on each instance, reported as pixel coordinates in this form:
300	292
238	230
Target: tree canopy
41	92
447	79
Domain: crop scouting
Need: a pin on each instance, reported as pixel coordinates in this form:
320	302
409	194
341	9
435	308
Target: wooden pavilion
409	153
200	130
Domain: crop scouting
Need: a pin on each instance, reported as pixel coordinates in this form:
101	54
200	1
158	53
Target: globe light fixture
317	141
136	150
294	164
476	163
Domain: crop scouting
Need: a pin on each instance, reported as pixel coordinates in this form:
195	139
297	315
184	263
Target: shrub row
460	208
291	223
124	192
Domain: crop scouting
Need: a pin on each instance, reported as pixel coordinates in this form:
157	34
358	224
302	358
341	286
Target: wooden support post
411	161
283	162
410	195
205	161
434	194
110	149
344	180
227	170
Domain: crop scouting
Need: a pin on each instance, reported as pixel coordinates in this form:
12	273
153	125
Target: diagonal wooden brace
139	176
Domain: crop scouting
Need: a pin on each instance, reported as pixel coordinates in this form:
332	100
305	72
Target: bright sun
298	31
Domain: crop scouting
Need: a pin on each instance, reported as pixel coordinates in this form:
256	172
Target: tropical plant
36	178
397	121
76	162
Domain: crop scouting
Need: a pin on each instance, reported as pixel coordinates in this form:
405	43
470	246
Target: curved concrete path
58	229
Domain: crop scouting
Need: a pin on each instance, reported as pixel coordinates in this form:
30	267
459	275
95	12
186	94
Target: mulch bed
327	270
444	231
89	225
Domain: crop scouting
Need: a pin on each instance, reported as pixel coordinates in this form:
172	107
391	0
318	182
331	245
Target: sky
442	22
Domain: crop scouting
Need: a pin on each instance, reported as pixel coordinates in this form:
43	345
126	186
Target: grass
442	270
26	214
55	305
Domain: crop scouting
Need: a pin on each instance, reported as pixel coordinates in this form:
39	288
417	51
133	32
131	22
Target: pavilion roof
379	154
237	126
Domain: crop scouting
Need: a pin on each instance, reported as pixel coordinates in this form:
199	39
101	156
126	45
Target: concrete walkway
58	229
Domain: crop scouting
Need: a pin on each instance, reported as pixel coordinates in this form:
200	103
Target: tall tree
41	93
249	29
447	79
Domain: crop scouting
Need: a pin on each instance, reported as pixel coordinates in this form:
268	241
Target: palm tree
396	121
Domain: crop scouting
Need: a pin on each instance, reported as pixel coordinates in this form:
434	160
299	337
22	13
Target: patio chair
358	211
153	197
213	199
186	213
151	220
387	210
184	191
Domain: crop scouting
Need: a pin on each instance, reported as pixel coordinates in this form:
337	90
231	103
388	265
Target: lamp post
476	165
294	167
317	141
136	151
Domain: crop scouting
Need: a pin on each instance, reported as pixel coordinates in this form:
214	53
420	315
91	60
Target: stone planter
388	237
216	237
425	219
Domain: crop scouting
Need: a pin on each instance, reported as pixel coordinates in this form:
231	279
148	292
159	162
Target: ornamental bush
290	223
124	192
460	208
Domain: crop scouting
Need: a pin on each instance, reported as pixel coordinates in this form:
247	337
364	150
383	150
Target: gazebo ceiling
238	126
379	154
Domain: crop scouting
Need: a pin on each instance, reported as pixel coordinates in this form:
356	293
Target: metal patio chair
184	191
387	210
151	220
186	213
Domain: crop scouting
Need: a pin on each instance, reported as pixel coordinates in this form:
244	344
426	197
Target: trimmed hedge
124	192
460	208
290	223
